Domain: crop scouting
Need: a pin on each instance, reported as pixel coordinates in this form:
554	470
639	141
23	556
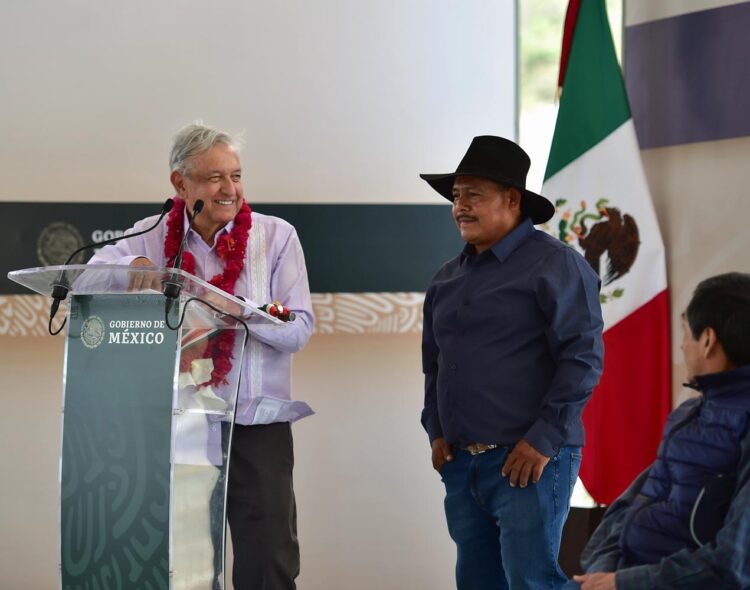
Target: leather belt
478	448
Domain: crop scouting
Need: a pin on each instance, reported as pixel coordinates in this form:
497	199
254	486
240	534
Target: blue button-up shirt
512	344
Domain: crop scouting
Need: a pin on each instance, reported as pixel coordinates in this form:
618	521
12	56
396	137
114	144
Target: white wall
641	11
370	503
341	101
31	399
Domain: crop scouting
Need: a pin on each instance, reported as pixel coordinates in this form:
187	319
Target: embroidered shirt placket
259	292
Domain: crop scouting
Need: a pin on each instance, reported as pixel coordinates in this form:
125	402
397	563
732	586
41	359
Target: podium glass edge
60	456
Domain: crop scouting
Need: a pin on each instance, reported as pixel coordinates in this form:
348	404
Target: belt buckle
479	448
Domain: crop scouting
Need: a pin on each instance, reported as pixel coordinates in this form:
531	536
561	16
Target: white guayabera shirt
274	270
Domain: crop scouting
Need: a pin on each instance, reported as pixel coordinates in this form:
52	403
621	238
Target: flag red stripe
571	17
625	416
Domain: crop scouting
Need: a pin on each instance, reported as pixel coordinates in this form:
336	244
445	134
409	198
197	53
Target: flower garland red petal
231	249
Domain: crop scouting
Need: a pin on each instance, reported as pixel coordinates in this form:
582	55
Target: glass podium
150	392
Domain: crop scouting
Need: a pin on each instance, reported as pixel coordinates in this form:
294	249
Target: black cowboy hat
503	161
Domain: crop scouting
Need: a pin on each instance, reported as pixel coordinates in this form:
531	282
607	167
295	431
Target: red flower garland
231	248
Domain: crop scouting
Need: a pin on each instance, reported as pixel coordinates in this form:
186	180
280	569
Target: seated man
685	522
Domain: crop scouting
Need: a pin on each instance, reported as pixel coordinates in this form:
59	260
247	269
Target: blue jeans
507	538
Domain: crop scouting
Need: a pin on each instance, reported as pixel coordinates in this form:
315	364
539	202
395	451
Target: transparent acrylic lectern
147	423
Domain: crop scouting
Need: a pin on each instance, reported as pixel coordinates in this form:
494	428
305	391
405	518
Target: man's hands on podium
138	281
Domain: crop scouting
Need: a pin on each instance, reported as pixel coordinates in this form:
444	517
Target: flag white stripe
613	170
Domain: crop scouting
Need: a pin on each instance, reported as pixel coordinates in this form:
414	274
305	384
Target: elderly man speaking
511	350
261	508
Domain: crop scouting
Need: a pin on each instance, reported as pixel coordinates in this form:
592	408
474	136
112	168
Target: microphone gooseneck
197	208
173	284
165	208
61	286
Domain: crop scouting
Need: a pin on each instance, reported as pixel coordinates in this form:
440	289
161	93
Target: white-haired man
261	509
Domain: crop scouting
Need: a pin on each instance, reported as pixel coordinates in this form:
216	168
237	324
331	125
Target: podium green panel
115	469
147	427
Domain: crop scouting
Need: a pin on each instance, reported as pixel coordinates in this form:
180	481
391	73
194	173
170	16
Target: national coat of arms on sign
56	241
92	332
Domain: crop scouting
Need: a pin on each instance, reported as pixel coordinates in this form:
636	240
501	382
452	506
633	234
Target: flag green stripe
593	102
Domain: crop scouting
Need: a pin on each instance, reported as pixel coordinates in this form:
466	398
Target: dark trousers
261	509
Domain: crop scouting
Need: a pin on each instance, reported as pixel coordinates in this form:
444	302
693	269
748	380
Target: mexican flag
603	209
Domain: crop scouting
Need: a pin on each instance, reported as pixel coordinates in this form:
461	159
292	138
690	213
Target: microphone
61	287
197	208
173	285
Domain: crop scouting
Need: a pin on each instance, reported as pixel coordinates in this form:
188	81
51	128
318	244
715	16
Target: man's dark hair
723	303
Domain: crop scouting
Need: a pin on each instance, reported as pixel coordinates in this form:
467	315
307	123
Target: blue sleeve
430	353
567	293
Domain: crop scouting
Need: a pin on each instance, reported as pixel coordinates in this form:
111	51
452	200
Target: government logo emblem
55	243
92	332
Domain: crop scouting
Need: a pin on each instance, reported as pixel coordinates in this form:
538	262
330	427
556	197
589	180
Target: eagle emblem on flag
607	238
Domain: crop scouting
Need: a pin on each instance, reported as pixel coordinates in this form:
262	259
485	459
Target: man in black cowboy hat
511	350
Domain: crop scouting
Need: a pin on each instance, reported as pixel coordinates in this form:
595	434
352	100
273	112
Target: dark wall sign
348	248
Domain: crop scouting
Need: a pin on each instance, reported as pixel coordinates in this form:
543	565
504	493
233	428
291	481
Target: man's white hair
195	139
